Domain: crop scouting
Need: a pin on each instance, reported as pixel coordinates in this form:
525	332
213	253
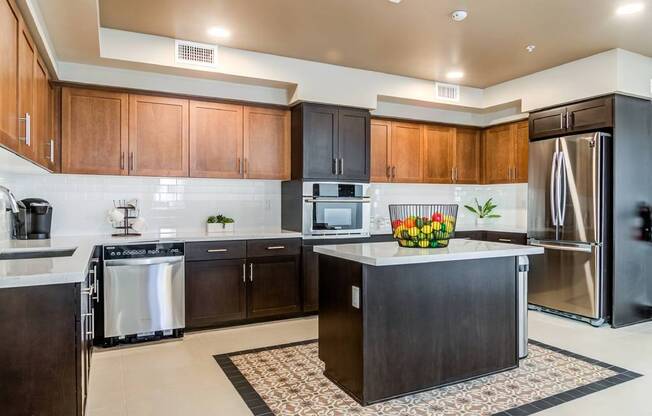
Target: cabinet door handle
92	316
341	166
334	167
275	247
28	129
570	120
217	250
562	121
244	166
394	172
388	172
244	273
251	272
51	151
122	160
505	240
239	167
131	161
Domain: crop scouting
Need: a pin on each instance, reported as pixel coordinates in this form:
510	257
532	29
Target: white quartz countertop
391	254
73	269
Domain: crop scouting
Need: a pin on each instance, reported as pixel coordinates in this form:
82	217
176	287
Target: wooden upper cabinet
381	138
41	130
498	154
520	174
216	140
407	152
94	134
158	136
9	35
266	143
466	161
27	67
438	152
353	144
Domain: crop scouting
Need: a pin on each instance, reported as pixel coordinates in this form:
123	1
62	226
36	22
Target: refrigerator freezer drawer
568	278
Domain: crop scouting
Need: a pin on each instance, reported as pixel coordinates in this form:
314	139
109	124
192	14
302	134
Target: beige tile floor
181	378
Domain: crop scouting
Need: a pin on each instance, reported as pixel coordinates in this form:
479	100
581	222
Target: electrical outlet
355	297
268	205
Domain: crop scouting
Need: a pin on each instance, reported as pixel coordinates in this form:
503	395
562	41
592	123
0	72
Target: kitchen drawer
471	235
215	250
500	237
276	247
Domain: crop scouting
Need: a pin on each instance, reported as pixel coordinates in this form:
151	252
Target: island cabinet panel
9	35
215	292
94	132
266	143
407	152
216	140
466	163
274	286
439	323
381	138
310	279
438	154
158	136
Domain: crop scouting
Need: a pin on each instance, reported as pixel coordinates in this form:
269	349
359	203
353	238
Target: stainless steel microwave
333	209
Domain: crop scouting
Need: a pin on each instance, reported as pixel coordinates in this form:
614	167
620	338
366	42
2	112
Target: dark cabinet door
310	264
320	141
215	292
273	286
548	123
590	115
354	145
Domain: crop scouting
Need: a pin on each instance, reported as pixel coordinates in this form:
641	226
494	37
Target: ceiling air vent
448	92
194	53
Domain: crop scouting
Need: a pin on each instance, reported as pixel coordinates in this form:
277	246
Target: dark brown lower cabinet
263	281
45	353
273	286
215	292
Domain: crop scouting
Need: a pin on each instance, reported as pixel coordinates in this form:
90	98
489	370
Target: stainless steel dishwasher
144	285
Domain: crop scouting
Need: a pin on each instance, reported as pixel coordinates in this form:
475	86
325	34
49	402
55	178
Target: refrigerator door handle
582	248
553	199
563	186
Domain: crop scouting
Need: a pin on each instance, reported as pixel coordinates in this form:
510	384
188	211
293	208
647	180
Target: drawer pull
275	247
217	250
505	240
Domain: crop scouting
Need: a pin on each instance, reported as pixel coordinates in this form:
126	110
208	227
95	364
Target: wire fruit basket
423	225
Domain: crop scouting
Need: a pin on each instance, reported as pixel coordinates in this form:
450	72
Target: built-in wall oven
332	209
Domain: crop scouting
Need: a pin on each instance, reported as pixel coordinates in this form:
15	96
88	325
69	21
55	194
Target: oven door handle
314	200
143	261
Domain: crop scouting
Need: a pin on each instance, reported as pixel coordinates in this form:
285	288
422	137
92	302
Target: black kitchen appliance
34	219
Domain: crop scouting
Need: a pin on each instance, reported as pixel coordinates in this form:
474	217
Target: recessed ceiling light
459	15
530	48
630	9
219	32
395	1
455	75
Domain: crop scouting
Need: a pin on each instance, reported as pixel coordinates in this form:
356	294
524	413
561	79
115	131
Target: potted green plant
483	211
219	224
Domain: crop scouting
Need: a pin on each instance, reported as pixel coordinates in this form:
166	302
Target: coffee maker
33	220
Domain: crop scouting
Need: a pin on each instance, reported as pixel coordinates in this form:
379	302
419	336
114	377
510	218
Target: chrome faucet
12	200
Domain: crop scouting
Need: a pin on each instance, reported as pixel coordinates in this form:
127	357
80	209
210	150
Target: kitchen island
395	321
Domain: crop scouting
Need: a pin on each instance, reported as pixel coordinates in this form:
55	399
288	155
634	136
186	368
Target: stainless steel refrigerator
567	215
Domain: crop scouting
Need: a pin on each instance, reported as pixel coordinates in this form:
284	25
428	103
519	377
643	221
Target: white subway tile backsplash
511	200
168	204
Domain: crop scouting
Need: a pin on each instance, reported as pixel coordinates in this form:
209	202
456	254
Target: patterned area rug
287	380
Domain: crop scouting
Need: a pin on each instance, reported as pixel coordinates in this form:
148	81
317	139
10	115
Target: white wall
168	204
511	201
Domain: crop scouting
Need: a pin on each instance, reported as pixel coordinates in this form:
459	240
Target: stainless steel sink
40	253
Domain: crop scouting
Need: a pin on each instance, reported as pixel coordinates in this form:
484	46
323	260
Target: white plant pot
481	222
219	228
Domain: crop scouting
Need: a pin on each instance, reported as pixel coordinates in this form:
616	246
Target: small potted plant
484	211
219	224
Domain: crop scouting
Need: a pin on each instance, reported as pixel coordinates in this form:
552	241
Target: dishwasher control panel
144	250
